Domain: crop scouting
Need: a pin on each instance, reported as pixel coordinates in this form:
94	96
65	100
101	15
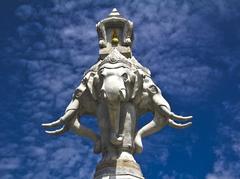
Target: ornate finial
115	31
114	13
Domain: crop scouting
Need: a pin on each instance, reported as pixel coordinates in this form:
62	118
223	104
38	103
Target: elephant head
82	103
153	101
115	83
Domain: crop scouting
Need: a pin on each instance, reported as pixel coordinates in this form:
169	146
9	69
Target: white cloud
224	169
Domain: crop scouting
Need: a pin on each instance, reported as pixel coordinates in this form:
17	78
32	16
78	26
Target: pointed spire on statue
114	13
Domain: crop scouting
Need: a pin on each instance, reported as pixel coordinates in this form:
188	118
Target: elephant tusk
178	117
58	131
123	94
165	111
54	123
176	125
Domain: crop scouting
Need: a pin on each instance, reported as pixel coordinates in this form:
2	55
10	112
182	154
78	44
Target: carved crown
115	57
115	32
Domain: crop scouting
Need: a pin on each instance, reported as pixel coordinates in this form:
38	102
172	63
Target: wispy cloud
175	175
227	151
49	159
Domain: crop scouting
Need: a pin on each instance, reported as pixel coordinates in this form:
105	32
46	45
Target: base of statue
118	169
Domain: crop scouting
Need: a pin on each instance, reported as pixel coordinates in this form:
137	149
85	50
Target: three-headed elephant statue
117	90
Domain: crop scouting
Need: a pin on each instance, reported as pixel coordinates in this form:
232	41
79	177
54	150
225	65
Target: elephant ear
90	77
138	81
76	97
80	90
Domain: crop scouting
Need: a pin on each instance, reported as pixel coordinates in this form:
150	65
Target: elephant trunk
113	91
114	120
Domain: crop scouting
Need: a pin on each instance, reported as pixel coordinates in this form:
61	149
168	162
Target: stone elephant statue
117	90
150	99
105	92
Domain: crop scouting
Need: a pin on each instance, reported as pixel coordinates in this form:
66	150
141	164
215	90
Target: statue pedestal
118	169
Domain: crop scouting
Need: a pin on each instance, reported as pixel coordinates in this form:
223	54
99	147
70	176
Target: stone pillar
118	169
118	161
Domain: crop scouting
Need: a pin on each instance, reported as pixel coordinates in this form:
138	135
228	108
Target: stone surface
118	169
117	90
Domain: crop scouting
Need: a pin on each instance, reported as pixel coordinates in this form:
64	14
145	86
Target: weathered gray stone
118	168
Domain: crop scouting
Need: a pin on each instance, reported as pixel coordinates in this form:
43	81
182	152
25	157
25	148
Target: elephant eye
125	77
153	89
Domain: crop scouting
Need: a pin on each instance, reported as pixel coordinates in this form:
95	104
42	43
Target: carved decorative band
118	168
118	164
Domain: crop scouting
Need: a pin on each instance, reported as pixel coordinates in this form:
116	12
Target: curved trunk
114	119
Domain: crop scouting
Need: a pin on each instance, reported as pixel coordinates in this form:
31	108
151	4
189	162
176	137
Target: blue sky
192	49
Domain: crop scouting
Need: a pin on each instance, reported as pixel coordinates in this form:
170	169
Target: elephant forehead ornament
117	90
